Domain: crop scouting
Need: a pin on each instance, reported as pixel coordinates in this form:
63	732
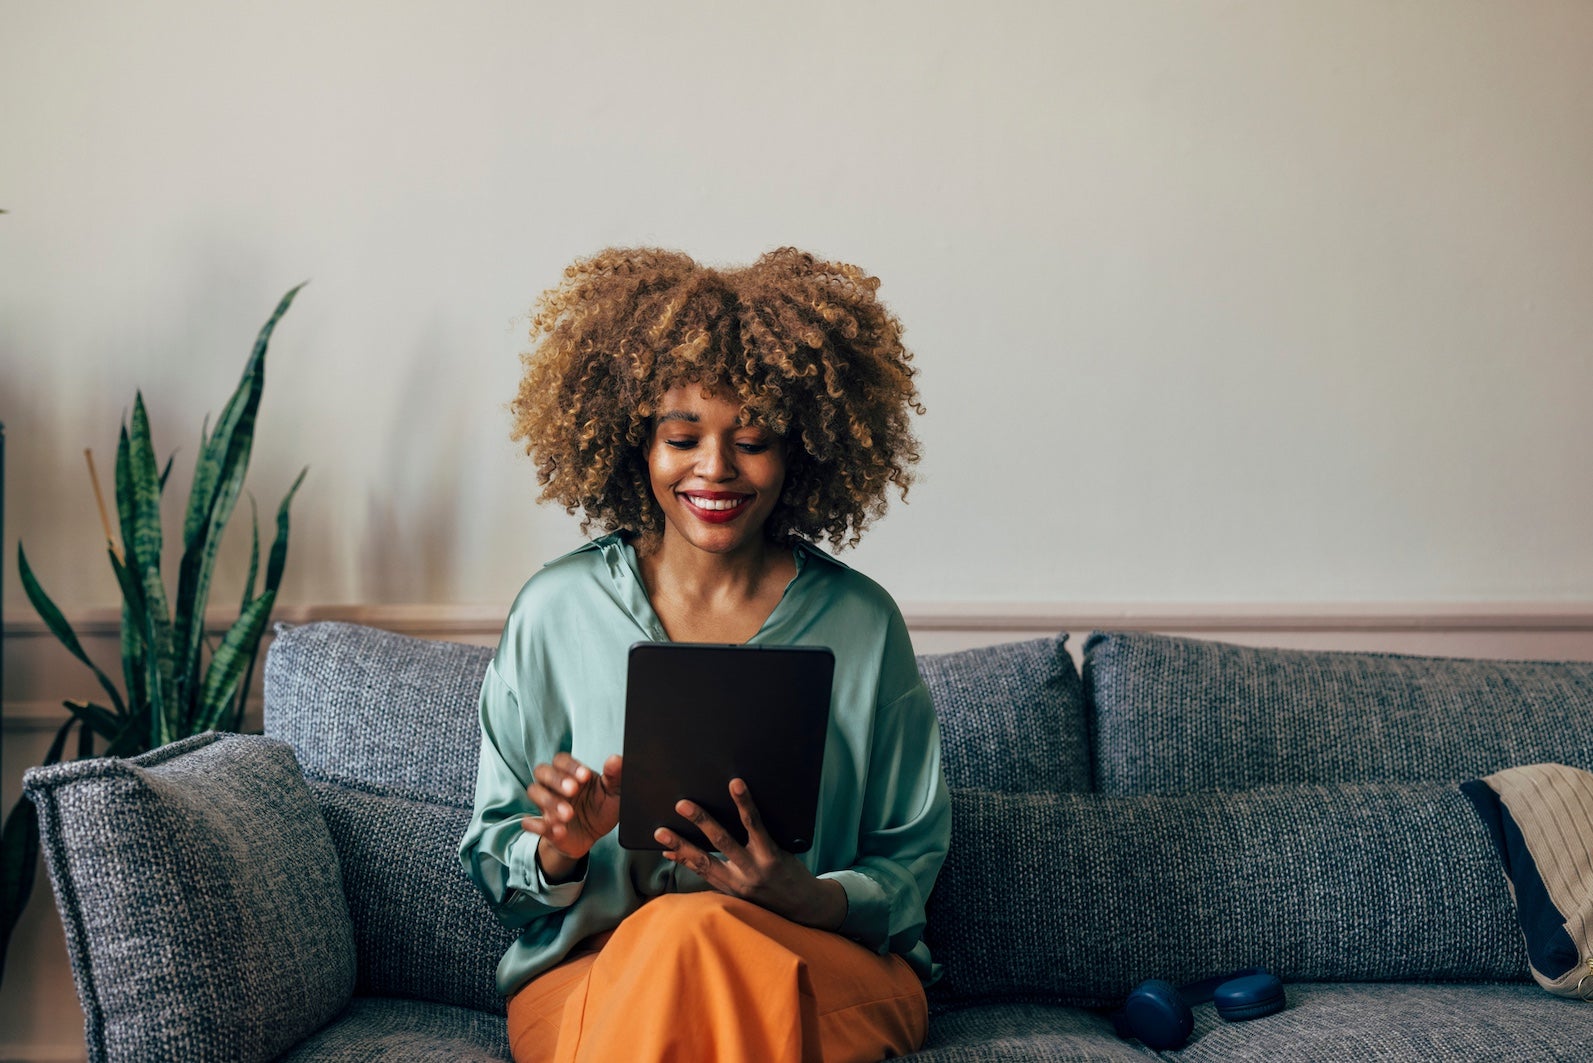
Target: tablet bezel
699	714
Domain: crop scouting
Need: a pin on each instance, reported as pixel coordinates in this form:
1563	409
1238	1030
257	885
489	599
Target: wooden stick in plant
105	520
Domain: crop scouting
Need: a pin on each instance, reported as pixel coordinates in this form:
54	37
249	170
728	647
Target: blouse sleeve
906	827
497	853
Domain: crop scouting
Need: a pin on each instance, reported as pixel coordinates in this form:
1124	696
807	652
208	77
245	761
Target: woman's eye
680	444
753	448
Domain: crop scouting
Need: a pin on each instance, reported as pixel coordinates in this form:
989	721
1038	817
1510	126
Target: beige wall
1213	301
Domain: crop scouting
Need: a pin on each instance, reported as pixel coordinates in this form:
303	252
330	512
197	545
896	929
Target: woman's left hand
760	871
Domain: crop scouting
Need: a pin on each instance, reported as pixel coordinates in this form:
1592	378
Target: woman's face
717	482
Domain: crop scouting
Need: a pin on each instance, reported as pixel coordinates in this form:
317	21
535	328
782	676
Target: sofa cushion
1404	1021
364	706
1076	898
407	1031
421	928
1175	714
201	898
1011	716
1025	1033
351	699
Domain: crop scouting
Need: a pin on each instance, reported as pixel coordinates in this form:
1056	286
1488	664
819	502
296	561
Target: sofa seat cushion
407	1031
1355	1023
1025	1033
1076	898
1011	716
201	898
1174	714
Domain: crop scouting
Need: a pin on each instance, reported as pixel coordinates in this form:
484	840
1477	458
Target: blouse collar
625	579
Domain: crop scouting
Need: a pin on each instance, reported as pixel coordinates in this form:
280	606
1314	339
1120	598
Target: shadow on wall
49	505
414	512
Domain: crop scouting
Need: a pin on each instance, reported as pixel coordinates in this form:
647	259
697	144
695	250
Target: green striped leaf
279	546
57	623
254	554
248	596
278	562
158	693
143	559
132	659
246	398
193	591
124	485
227	666
144	482
218	480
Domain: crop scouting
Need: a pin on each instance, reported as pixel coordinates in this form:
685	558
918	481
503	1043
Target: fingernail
568	786
565	810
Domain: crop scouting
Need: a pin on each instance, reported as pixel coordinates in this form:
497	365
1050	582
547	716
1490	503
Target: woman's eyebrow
677	415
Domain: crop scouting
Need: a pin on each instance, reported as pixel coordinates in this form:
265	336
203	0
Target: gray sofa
1181	809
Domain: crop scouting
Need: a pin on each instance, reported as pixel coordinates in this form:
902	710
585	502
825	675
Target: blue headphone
1158	1014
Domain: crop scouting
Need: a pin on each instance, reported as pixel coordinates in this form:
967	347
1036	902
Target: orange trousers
706	978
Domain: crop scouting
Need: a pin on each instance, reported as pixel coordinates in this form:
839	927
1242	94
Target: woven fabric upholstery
1175	714
387	729
1400	1024
421	928
1076	898
1011	716
1025	1033
201	898
382	1030
364	706
350	700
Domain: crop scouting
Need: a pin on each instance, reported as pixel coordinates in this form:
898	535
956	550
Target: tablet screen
700	714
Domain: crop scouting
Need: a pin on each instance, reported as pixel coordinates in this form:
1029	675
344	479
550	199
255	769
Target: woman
713	423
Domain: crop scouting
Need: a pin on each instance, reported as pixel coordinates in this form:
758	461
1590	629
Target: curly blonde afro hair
803	344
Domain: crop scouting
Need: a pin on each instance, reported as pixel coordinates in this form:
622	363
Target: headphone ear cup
1249	997
1158	1016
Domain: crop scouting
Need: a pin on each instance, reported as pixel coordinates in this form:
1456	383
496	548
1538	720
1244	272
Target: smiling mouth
715	509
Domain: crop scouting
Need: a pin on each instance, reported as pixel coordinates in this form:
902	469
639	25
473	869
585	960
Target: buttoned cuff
867	909
529	879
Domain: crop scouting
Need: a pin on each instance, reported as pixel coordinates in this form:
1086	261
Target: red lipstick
716	516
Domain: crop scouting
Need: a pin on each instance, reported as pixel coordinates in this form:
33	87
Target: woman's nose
715	462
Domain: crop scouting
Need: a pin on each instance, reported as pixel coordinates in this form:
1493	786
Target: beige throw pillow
1541	820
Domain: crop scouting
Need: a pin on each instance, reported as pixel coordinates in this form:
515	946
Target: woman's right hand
578	807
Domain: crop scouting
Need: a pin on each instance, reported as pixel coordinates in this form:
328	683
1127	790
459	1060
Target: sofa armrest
201	898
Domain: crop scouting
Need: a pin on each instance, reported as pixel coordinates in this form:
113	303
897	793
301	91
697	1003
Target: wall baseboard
70	1053
439	621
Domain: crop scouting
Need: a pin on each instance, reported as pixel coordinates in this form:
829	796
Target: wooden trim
442	621
39	672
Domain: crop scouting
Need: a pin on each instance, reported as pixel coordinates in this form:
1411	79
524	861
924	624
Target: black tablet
700	714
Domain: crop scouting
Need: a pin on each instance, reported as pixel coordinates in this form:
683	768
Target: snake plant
175	682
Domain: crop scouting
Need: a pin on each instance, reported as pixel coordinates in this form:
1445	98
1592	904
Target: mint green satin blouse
557	682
